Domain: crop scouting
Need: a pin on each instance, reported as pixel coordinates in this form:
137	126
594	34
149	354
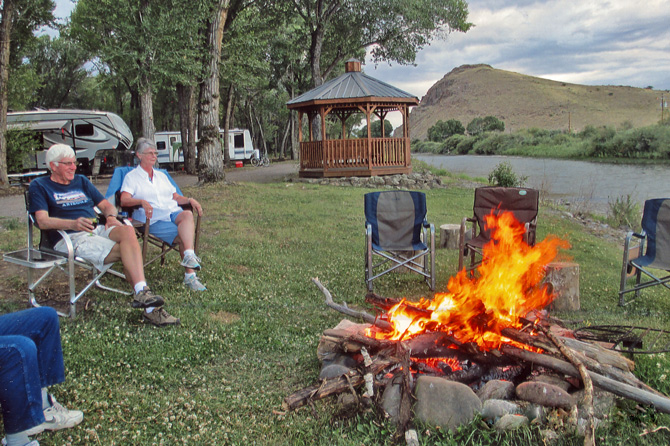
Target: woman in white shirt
158	200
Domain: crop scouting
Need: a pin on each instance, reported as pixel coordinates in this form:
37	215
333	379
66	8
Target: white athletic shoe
58	417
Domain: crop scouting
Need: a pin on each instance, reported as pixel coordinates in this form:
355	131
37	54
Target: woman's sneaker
191	261
194	284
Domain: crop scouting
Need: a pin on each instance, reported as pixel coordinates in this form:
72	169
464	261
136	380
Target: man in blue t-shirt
65	200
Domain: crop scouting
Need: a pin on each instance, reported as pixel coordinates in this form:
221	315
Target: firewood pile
540	374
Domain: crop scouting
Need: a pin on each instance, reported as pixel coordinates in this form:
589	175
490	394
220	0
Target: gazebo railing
353	153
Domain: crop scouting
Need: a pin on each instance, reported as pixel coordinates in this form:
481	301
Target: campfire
486	345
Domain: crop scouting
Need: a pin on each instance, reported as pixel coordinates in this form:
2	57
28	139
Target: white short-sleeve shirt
158	192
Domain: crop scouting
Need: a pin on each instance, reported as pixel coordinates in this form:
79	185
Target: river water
580	183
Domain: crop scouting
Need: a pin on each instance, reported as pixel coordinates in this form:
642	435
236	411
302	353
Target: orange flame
507	287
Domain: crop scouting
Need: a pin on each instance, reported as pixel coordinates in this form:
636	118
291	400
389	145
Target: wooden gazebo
349	94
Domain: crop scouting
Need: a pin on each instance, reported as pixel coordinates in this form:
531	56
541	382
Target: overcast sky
592	42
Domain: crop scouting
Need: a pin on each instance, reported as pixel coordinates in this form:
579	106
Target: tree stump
564	278
449	235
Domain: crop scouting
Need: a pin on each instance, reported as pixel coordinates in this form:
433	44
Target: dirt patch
53	292
225	317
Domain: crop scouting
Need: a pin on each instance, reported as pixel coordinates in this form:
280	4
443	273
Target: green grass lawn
250	340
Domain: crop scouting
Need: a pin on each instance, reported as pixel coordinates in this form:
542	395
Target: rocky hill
522	101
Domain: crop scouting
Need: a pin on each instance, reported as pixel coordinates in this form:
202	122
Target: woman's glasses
69	163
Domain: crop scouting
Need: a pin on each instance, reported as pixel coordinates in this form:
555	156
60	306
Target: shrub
465	145
451	143
492	143
623	211
503	175
20	145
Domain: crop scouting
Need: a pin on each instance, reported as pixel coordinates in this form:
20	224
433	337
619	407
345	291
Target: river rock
391	398
444	403
553	380
544	394
333	371
496	389
510	422
493	409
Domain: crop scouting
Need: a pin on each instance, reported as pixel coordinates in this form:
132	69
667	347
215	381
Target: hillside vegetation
524	102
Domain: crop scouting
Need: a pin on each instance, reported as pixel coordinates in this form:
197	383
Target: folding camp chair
42	257
142	229
655	235
522	202
395	228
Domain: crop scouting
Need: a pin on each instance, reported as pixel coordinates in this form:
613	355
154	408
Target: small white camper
168	144
88	132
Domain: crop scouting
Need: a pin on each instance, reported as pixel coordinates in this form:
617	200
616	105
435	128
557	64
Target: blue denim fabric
31	357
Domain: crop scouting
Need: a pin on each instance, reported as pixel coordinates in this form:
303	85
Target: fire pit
486	346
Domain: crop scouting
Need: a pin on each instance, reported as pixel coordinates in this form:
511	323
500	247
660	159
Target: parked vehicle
168	144
90	133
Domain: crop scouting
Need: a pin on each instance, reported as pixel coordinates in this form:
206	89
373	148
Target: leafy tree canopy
444	129
486	124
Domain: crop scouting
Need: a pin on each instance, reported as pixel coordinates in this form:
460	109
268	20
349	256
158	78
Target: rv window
83	130
172	140
239	140
160	145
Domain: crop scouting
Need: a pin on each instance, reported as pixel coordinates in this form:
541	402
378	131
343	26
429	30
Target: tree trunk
146	106
186	99
5	34
226	126
210	156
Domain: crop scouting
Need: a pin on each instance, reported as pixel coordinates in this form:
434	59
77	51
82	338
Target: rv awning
38	125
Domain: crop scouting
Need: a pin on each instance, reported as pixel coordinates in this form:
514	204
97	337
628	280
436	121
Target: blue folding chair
396	231
142	229
655	235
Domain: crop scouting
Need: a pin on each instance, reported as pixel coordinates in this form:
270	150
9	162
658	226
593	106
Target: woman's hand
148	209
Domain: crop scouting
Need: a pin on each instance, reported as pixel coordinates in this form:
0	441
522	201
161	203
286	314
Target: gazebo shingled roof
351	85
353	92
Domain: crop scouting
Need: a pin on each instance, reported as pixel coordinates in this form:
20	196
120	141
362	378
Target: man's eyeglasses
69	163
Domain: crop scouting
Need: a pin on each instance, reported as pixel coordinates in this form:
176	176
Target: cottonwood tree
19	19
392	30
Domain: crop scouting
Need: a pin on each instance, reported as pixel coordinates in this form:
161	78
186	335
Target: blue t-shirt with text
67	201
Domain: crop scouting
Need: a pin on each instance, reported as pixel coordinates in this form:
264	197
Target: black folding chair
396	232
522	202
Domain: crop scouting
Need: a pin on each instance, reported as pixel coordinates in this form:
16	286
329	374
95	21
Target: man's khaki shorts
93	246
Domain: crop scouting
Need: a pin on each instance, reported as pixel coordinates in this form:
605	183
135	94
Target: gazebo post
322	114
367	119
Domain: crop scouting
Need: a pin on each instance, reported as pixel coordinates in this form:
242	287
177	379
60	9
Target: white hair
57	152
143	144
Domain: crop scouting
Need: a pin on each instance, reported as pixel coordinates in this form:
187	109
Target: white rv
88	132
168	144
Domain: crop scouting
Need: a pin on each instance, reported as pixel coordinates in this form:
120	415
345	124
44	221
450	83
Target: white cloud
615	42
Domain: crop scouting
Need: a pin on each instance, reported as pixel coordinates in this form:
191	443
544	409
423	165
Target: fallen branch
661	403
344	309
589	437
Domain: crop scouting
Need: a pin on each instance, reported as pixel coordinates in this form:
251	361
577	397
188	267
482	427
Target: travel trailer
90	133
168	144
